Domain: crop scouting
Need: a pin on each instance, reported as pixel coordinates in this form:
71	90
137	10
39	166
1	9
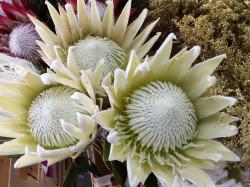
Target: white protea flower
160	122
46	122
83	39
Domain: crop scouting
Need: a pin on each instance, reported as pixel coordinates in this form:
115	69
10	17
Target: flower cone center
161	116
91	50
22	41
45	113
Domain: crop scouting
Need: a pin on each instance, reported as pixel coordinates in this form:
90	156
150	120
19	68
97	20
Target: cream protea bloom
159	121
87	38
46	122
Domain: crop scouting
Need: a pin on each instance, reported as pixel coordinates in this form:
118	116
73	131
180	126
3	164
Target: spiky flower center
91	50
45	113
22	41
160	117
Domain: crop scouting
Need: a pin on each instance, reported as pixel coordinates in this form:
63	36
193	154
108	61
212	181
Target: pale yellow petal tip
68	6
33	19
233	129
196	50
47	3
223	56
171	36
158	33
17	165
212	79
113	137
46	78
232	101
108	2
237	159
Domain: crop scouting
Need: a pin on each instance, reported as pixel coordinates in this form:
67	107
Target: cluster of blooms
159	118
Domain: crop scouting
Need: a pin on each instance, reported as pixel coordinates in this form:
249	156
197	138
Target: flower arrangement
125	103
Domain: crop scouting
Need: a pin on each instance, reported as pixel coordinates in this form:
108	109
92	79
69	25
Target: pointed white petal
53	153
105	118
212	150
143	50
113	137
120	82
47	53
200	88
141	38
111	95
50	78
32	79
62	29
132	65
83	17
12	130
216	126
64	16
72	130
197	176
200	71
86	123
121	24
75	29
164	174
97	76
51	37
117	153
180	65
136	172
208	106
96	24
87	103
87	85
16	146
108	20
61	69
163	53
214	131
133	29
27	160
71	63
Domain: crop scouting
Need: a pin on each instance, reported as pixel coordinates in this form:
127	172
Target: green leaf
71	176
106	151
119	171
151	181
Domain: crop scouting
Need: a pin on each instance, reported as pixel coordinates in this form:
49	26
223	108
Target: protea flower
17	34
89	39
161	122
47	123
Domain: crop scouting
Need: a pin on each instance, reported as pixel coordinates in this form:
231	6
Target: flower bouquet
96	82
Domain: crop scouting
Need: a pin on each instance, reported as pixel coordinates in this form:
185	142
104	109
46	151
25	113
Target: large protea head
87	38
161	121
47	123
17	34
